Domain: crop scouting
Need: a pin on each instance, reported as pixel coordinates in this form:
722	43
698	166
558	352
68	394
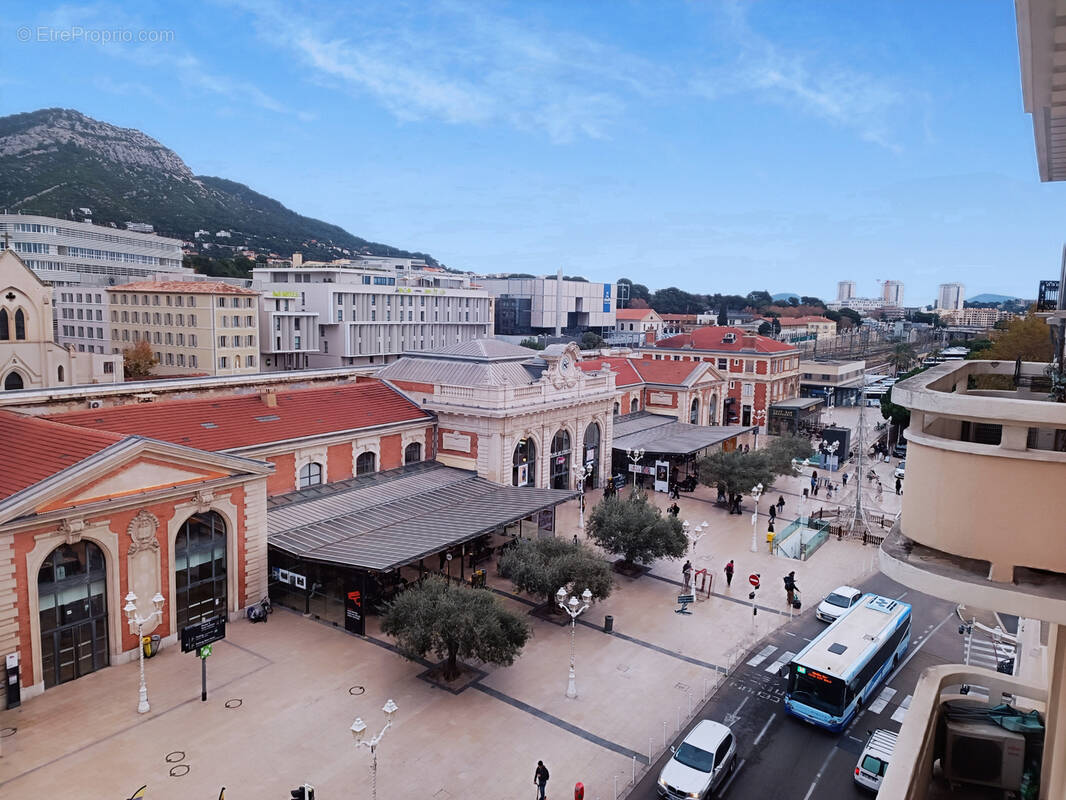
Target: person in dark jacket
790	588
540	778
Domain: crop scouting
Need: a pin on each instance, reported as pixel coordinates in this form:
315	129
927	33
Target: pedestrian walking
899	486
814	488
790	588
674	509
729	574
845	479
773	512
686	573
540	779
780	503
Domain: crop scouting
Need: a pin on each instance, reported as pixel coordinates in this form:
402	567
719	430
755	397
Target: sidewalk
295	686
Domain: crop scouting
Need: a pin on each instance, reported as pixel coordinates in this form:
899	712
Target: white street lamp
696	533
580	474
635	457
359	731
759	418
756	493
574	611
137	624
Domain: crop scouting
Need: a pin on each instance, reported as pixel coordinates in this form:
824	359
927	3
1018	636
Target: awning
656	433
380	522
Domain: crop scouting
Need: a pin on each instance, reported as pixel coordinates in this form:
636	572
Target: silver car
700	763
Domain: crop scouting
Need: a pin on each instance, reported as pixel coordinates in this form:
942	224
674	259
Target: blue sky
713	146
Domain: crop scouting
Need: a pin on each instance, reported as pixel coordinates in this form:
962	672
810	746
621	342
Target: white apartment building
80	260
950	297
537	305
365	311
845	290
892	293
860	304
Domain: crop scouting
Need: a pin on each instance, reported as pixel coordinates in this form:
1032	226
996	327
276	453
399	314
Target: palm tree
902	357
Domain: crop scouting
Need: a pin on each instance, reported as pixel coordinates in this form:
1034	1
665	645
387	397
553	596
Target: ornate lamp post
695	534
759	418
581	473
572	608
359	731
756	493
635	457
137	624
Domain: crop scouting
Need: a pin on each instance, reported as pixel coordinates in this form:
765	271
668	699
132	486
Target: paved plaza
282	696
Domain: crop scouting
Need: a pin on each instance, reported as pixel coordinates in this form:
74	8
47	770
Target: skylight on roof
208	425
267	418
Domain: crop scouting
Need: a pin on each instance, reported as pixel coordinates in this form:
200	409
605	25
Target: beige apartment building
205	328
975	317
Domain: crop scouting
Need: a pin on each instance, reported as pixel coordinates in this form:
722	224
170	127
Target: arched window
72	601
634	406
20	324
200	568
524	463
59	373
5	334
591	455
617	408
694	412
712	410
237	362
366	463
13	381
412	453
310	475
559	471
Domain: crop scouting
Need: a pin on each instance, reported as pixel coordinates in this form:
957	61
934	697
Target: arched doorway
617	408
559	471
591	455
694	412
13	381
72	601
524	463
412	453
634	406
200	569
712	410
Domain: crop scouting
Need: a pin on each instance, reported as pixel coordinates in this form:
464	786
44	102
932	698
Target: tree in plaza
636	529
736	472
454	622
781	451
138	360
541	566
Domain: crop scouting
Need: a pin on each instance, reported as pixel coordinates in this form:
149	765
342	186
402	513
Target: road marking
762	656
818	776
878	705
725	785
764	727
902	596
899	713
786	656
742	702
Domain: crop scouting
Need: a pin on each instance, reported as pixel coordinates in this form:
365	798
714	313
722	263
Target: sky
714	146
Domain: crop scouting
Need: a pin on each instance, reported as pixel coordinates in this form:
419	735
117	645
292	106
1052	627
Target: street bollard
650	741
679	719
634	778
616	786
664	736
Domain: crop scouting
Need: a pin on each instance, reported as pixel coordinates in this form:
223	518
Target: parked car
874	759
837	602
700	763
899	469
900	450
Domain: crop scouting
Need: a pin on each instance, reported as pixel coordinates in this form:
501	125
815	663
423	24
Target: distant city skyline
718	147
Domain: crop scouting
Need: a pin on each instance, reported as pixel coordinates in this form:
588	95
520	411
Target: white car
700	764
837	602
874	759
899	469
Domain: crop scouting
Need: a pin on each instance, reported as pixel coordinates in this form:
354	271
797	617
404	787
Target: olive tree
541	566
636	529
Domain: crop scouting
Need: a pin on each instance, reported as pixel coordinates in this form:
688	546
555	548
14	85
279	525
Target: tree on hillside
540	566
812	301
676	301
636	291
591	341
723	315
635	529
454	622
639	303
759	299
902	357
1027	338
137	361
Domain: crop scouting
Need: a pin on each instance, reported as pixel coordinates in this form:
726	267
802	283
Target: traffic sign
753	579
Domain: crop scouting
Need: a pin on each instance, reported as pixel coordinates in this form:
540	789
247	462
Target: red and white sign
753	579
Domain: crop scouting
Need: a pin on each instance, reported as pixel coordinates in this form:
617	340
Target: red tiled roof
668	372
184	287
627	376
711	339
226	423
35	449
633	313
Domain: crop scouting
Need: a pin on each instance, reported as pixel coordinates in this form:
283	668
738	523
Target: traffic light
305	792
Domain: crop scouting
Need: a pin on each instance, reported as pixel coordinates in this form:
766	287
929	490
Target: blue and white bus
843	666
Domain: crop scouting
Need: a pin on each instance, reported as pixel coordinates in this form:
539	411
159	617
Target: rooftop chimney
269	398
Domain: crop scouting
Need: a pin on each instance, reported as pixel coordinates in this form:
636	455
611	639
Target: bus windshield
816	690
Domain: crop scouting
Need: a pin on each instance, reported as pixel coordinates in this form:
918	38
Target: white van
874	758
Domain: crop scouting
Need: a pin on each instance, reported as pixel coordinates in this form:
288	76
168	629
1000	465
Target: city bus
834	675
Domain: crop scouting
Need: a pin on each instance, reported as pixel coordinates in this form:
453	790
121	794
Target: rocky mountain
56	160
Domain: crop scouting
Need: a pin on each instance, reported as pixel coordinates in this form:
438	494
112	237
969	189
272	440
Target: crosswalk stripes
761	656
899	713
878	705
781	660
989	654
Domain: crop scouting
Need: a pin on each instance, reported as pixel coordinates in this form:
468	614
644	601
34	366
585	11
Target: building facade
644	322
79	260
976	317
806	328
892	293
194	328
951	296
757	370
689	391
366	313
838	381
29	355
527	306
845	290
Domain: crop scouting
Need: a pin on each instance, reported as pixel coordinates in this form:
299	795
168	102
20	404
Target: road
781	757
